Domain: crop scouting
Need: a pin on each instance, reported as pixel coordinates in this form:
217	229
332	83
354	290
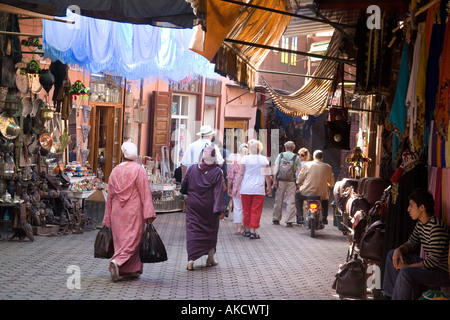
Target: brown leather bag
371	245
350	280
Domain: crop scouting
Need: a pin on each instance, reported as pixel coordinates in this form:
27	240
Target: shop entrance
234	134
105	139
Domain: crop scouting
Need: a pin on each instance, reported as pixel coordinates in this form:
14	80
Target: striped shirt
434	238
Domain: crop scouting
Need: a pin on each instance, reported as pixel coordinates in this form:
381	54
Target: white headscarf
129	151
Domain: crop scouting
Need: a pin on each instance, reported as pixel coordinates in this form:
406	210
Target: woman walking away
204	208
254	177
129	206
234	188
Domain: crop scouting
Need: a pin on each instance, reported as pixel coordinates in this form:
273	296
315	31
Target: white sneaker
190	265
114	270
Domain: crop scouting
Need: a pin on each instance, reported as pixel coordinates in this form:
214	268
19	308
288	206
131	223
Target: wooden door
235	132
105	139
159	128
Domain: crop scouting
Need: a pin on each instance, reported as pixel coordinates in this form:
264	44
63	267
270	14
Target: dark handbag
104	245
152	248
185	184
350	280
337	135
371	245
338	114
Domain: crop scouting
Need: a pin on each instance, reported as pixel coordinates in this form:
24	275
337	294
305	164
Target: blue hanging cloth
132	51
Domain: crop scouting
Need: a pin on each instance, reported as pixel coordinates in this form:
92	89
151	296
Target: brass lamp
359	163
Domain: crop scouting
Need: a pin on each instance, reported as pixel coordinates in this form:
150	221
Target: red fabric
252	205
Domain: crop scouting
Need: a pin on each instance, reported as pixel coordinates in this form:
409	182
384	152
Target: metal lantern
12	104
359	163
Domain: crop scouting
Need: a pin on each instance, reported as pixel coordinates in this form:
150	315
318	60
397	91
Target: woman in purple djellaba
204	208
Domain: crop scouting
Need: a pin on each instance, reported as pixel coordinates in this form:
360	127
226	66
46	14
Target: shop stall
165	192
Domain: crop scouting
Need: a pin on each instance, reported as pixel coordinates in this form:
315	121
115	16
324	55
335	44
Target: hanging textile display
375	56
433	64
443	100
445	205
132	51
398	112
411	99
419	139
239	26
312	98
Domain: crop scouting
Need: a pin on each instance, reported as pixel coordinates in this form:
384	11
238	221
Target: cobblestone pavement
285	264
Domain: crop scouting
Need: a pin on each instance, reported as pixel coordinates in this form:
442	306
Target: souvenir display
8	127
47	80
22	81
27	106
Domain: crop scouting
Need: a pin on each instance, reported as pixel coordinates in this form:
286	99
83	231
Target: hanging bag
104	245
371	245
152	249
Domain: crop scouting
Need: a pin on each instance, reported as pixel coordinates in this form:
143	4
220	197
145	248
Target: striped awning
312	98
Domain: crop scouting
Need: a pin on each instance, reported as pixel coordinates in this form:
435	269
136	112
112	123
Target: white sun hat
206	130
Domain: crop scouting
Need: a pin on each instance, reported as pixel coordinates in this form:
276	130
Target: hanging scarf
398	111
434	55
419	138
443	101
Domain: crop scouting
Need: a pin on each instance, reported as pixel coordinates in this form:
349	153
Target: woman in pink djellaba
129	206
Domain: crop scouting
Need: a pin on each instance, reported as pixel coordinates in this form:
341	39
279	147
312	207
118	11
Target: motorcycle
313	219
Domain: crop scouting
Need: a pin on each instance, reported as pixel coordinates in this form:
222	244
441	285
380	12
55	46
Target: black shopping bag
152	248
104	245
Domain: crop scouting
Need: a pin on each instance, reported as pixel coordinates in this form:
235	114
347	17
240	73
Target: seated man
405	272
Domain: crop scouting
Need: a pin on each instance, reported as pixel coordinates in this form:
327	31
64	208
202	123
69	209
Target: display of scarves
443	100
439	187
398	112
419	139
411	99
132	51
374	57
433	64
446	195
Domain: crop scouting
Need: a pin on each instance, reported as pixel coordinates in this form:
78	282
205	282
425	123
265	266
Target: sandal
254	236
246	234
